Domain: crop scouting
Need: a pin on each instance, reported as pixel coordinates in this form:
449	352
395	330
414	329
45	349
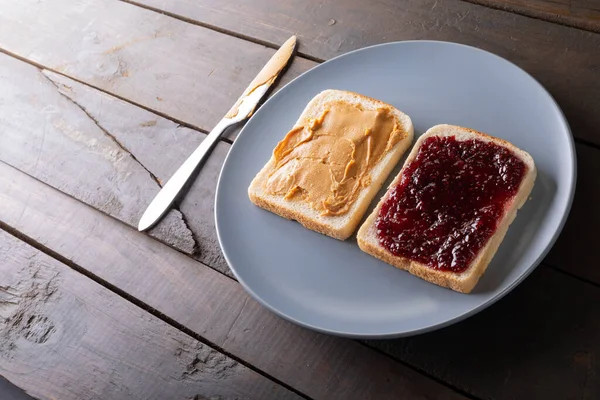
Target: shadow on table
539	341
8	391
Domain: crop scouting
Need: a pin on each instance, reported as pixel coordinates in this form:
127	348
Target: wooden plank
583	14
563	59
146	136
203	300
540	342
572	250
191	73
66	337
48	136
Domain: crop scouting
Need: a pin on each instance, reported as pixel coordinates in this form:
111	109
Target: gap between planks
506	9
175	206
586	143
421	371
160	114
42	332
533	14
224	31
142	305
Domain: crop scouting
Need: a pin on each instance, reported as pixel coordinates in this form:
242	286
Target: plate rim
485	304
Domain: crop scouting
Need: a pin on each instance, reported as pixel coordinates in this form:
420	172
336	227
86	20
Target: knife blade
243	108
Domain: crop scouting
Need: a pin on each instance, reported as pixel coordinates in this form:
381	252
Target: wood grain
160	145
48	136
563	59
204	301
540	342
583	14
66	337
190	73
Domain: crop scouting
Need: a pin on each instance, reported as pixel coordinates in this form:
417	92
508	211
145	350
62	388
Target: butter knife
241	110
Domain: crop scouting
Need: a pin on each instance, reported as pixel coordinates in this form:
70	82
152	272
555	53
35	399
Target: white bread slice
336	226
461	282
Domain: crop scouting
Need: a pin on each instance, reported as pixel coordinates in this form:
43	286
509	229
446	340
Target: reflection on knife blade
268	74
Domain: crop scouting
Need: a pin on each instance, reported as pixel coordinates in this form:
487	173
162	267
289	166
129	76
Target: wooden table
101	100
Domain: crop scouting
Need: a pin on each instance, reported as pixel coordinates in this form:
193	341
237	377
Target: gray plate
331	286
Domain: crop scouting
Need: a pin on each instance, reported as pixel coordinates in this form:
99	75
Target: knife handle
166	196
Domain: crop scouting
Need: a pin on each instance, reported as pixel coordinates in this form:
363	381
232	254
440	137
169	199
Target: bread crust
465	281
339	227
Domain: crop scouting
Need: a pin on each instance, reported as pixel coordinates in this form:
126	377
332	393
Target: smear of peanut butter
327	161
269	73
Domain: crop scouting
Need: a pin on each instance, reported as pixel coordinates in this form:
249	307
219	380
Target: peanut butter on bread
330	165
327	161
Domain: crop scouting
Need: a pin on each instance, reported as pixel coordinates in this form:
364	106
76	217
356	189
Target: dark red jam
449	201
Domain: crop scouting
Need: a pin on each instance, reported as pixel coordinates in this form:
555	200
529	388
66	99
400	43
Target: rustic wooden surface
540	342
101	100
190	73
65	336
48	136
144	135
583	14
